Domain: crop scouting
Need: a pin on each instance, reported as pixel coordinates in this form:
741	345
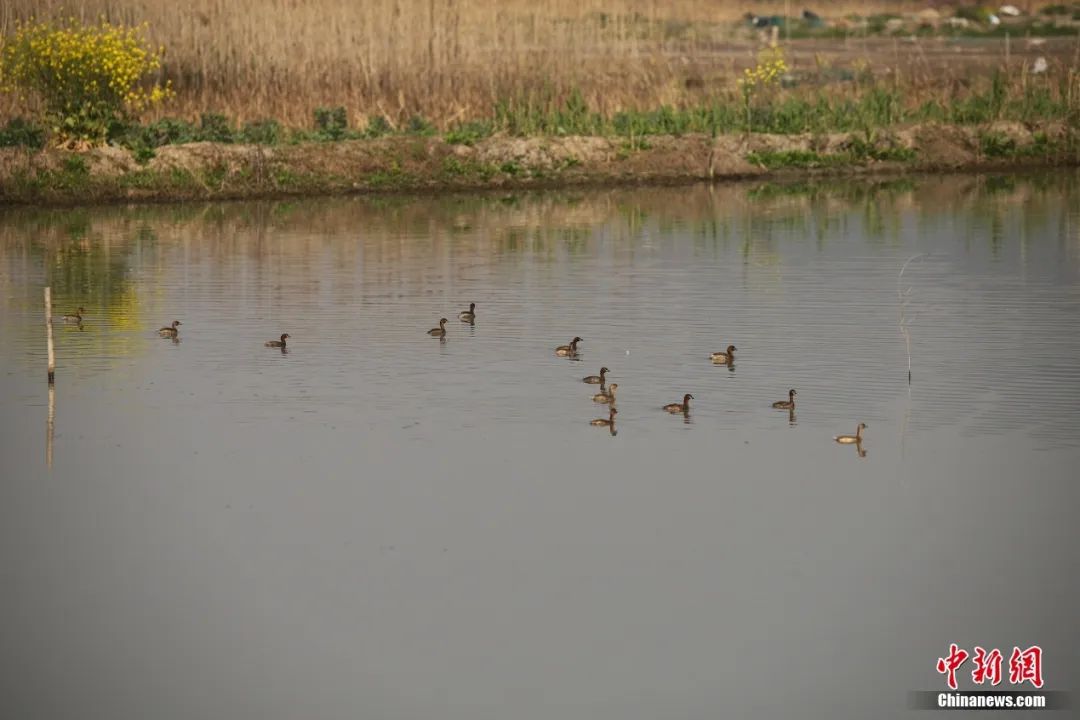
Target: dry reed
452	60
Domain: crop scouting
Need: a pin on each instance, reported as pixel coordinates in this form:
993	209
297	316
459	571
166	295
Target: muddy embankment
425	164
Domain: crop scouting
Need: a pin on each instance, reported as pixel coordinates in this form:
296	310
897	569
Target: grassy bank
634	92
448	61
206	170
816	102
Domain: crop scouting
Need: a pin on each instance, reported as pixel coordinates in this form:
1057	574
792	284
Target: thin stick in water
901	298
48	335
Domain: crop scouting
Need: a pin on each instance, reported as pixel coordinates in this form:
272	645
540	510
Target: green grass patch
869	149
458	169
141	180
996	145
22	133
392	178
418	125
512	168
857	152
378	126
468	133
773	160
331	124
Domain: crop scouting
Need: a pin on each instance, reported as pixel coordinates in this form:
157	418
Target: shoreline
419	164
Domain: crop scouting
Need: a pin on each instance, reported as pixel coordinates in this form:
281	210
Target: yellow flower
72	67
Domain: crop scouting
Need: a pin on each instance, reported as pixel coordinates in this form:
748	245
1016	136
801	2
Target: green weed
468	133
22	133
331	123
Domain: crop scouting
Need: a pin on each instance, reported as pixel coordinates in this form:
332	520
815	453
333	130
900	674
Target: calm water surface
377	524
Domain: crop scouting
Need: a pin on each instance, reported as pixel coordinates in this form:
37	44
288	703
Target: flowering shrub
88	77
768	70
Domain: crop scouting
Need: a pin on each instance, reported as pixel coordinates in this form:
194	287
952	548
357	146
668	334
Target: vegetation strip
87	86
402	163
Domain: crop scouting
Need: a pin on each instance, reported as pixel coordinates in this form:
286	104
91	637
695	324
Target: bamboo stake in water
48	335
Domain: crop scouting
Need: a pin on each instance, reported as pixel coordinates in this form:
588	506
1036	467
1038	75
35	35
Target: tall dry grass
450	60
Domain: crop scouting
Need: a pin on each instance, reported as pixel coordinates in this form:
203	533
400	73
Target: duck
606	397
468	315
76	317
724	357
439	331
170	331
568	350
596	379
788	404
849	439
277	343
609	421
683	407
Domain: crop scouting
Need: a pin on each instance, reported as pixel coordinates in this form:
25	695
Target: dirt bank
406	163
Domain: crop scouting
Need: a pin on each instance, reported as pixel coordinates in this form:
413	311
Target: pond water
379	524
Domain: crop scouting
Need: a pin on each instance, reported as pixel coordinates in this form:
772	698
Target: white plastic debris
1040	66
1009	11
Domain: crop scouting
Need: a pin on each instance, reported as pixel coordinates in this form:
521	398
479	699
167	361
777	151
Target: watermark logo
987	668
1024	666
950	664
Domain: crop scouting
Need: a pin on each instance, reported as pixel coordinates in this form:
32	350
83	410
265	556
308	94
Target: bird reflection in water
855	439
608	422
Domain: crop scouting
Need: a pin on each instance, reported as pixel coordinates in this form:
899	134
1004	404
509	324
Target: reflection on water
50	427
368	519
